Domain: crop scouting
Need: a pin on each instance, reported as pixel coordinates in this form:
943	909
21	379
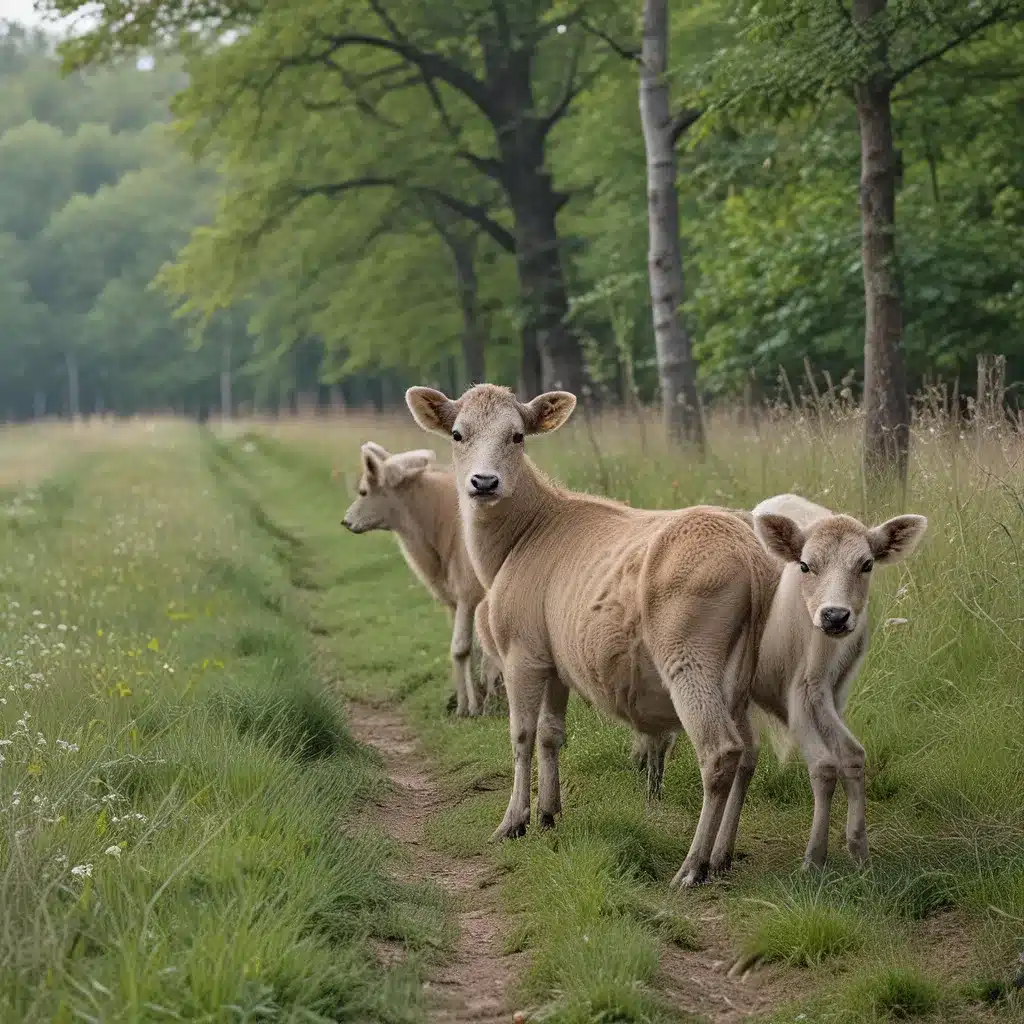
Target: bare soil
472	985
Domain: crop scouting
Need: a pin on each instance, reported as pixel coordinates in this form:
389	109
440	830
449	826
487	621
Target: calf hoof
512	830
688	878
453	703
812	864
547	820
858	849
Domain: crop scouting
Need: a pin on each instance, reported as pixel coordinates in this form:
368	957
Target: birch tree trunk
676	370
886	405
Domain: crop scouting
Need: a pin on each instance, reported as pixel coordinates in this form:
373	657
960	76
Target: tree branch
432	65
501	21
473	212
486	165
630	53
569	89
1001	13
683	122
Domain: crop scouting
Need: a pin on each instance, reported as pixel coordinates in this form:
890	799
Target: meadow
191	832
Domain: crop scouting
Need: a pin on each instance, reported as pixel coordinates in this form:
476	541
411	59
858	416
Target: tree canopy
383	192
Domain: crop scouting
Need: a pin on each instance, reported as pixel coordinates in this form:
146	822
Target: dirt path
471	987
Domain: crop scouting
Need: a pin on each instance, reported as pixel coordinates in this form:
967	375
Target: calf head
382	487
488	427
836	555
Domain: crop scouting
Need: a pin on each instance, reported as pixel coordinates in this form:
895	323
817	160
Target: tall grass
938	705
174	777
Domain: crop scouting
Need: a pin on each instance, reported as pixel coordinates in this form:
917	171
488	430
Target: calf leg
462	670
649	754
856	806
659	748
490	663
832	752
725	842
525	685
640	751
551	736
491	669
697	696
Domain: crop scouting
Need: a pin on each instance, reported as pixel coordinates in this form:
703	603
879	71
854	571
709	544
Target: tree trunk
542	279
71	362
886	405
226	404
531	376
474	353
676	370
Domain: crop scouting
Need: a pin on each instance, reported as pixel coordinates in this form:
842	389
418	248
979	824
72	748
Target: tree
886	403
809	50
676	369
514	69
93	199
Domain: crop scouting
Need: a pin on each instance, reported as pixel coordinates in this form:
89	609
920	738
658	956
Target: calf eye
456	436
517	438
866	567
804	567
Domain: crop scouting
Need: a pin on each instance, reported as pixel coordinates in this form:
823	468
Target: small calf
407	494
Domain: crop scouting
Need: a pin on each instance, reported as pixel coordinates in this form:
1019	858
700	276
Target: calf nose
346	524
835	618
484	483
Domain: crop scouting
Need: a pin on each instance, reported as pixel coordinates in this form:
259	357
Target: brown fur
407	494
655	617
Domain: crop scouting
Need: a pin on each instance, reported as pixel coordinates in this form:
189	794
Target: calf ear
548	412
379	450
372	463
780	536
896	538
433	410
408	465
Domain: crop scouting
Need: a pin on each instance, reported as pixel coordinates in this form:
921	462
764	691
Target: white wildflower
82	870
113	851
896	622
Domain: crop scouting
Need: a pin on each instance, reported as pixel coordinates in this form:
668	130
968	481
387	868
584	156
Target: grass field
175	804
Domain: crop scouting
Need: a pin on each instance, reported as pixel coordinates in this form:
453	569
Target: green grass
937	706
176	778
240	890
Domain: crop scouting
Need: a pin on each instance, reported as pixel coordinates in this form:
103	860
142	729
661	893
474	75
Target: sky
21	11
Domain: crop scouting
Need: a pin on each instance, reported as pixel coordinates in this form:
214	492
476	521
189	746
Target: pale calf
814	642
407	494
655	617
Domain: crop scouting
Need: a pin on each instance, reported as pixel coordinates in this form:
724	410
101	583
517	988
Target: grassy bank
933	929
174	777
